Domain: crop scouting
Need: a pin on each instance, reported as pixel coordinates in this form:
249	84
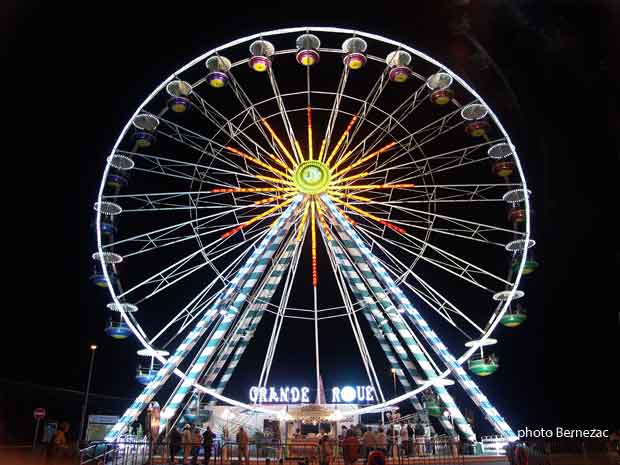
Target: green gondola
512	320
529	267
483	366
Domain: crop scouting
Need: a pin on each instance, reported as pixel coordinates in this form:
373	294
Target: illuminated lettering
253	394
304	395
295	395
335	395
284	394
273	395
262	397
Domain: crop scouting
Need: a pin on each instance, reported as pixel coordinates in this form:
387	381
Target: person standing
376	457
187	443
325	449
58	444
368	442
243	443
419	439
207	443
381	441
175	444
161	446
454	444
350	448
404	439
411	436
196	441
390	441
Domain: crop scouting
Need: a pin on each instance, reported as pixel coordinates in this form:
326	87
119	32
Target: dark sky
76	77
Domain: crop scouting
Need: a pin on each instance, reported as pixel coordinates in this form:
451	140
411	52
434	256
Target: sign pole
38	414
36	433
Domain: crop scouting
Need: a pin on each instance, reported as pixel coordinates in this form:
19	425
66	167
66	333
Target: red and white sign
39	413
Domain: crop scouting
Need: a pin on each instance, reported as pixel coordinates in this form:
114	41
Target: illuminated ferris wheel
327	163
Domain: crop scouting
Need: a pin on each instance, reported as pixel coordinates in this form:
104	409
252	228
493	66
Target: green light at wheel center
312	177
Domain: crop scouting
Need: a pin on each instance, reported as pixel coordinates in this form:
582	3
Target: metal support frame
380	275
382	330
192	338
267	249
258	309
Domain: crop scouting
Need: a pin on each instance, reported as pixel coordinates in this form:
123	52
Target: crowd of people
192	444
407	441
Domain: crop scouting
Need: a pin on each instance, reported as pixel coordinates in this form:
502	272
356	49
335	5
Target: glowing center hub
312	177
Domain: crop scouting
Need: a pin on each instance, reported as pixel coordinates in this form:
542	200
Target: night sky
76	77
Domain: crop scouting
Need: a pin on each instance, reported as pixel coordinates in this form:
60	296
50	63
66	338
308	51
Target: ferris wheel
323	162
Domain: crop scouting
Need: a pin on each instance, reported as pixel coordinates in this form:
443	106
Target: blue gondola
118	330
107	227
98	279
145	376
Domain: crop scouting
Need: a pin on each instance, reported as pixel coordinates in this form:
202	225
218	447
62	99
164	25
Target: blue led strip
373	315
276	274
369	260
376	289
132	413
268	247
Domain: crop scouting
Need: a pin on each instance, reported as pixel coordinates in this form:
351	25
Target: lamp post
93	348
394	378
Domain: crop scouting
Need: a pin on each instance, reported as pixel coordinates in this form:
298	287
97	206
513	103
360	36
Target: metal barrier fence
436	452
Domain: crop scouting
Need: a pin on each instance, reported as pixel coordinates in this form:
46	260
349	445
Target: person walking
350	448
207	443
404	439
243	443
196	442
187	439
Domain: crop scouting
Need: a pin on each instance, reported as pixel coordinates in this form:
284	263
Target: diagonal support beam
370	311
267	248
256	314
380	327
192	338
383	279
364	261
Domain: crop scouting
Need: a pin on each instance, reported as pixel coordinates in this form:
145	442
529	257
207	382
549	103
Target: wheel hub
312	177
